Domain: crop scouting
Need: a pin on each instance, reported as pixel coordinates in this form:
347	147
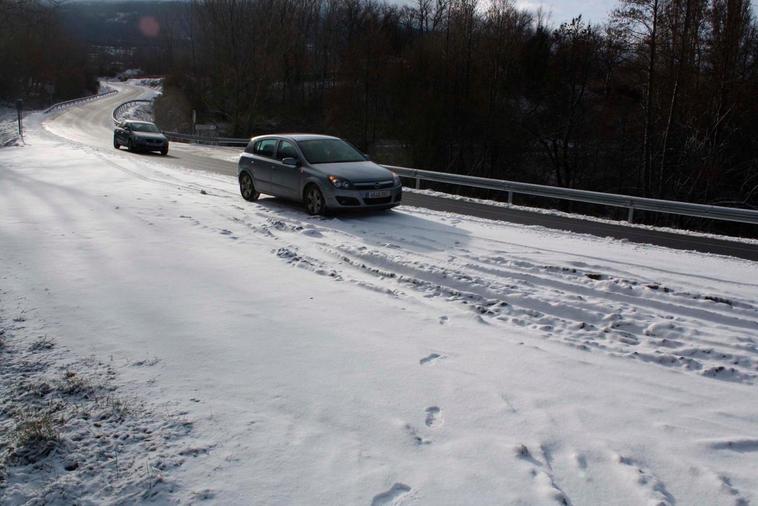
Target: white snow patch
555	212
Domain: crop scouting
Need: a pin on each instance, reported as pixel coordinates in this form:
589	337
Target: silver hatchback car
325	173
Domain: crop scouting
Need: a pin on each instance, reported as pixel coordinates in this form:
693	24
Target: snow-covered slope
409	357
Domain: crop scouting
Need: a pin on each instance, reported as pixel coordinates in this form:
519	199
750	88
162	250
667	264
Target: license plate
377	194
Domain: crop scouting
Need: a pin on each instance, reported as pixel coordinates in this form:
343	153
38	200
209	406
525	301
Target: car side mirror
291	161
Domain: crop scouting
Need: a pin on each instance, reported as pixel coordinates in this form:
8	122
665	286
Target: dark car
140	136
325	173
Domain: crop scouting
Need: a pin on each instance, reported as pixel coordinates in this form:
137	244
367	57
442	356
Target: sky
595	11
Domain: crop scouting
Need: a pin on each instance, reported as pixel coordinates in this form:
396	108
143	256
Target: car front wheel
115	143
247	188
314	201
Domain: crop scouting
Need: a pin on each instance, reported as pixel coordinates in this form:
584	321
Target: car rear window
265	147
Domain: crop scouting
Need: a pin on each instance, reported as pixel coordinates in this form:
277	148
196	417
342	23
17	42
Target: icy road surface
408	357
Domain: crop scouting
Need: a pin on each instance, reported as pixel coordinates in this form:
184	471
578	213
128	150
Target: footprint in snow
736	445
542	475
727	487
429	359
204	494
312	232
581	460
391	496
417	440
646	481
433	417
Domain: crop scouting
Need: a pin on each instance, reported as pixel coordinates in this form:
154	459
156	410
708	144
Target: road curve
91	124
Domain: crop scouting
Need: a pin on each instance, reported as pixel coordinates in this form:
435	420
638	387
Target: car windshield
329	151
144	127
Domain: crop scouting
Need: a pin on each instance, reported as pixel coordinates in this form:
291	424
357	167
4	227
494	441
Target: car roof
295	137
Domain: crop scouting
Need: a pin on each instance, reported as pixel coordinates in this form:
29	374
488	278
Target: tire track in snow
580	307
624	326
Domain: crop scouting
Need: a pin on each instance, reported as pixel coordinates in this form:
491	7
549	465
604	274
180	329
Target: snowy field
407	357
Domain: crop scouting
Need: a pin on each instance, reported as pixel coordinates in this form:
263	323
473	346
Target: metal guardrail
513	187
117	110
606	199
61	105
213	141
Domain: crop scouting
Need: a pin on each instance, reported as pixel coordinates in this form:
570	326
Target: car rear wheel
314	201
247	188
130	145
164	151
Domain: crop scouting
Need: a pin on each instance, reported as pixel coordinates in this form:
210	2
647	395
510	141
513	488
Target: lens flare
149	26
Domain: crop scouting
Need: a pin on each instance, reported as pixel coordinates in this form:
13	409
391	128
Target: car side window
286	150
265	147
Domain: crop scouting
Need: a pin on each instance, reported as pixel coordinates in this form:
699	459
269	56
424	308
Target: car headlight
340	183
395	178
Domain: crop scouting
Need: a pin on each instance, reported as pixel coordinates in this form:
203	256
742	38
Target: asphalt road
91	124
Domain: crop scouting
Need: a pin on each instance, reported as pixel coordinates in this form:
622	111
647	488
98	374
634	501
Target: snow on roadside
8	126
136	111
555	212
225	153
67	432
407	357
153	83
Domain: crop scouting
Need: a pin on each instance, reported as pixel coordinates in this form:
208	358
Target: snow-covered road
410	357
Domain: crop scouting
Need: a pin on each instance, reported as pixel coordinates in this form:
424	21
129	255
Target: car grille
348	201
376	185
383	200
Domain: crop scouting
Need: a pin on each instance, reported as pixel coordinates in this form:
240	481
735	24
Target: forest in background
658	101
41	61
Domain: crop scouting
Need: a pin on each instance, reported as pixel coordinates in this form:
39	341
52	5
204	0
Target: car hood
355	172
149	135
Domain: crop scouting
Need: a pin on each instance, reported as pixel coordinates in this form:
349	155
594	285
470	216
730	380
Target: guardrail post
19	109
510	198
418	182
630	217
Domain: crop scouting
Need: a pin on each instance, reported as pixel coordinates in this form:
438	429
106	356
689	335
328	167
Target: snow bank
585	217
